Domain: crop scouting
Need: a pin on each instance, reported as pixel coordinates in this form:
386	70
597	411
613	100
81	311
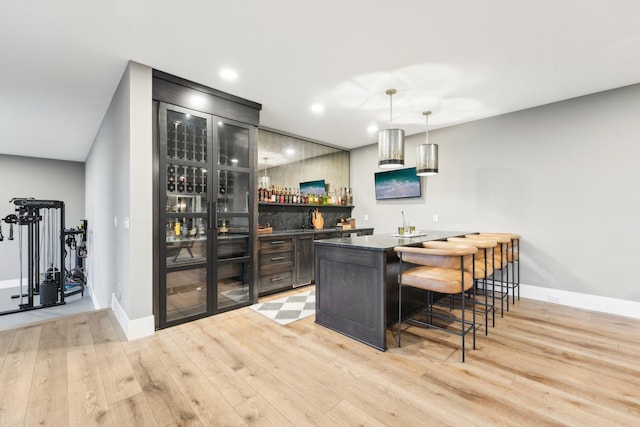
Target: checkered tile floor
289	309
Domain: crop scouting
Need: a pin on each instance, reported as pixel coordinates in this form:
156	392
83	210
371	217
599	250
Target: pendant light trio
391	146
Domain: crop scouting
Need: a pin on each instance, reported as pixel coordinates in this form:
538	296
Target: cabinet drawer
233	248
282	244
271	282
276	258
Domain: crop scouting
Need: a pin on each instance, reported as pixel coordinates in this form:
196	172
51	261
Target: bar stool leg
400	302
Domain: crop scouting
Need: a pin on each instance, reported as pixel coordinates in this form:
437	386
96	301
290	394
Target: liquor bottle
180	184
190	178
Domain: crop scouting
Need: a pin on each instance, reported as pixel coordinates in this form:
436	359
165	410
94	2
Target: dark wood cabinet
304	259
287	260
276	267
205	210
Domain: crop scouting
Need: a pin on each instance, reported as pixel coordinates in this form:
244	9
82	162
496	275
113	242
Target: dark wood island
357	284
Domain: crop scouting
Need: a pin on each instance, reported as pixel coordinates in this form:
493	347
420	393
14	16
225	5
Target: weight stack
48	292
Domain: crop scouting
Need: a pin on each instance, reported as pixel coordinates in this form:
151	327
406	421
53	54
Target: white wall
119	205
42	179
563	175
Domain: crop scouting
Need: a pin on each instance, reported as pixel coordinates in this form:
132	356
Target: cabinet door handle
277	242
212	215
277	279
277	258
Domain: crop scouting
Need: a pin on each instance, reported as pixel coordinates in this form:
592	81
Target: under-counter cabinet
286	260
276	264
205	211
304	259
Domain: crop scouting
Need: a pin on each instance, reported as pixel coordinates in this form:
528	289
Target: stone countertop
312	231
386	242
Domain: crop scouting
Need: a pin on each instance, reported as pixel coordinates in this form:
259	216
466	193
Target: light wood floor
543	364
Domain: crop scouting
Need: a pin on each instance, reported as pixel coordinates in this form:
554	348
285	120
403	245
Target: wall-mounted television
397	184
312	187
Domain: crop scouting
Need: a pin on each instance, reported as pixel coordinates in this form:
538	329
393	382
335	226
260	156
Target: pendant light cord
426	126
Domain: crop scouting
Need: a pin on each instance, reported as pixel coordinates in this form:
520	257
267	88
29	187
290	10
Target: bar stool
500	264
513	258
483	271
445	268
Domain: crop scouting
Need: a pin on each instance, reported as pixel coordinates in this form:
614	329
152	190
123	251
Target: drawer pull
277	242
277	258
277	279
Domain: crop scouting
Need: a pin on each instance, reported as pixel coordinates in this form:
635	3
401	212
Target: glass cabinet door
233	205
184	154
205	168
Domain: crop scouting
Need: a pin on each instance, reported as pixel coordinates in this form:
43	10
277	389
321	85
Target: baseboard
12	283
94	299
133	329
615	306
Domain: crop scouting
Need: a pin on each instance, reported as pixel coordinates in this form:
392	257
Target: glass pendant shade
427	160
391	148
391	142
265	181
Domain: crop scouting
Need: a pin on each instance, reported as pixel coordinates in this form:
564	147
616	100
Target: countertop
386	242
312	231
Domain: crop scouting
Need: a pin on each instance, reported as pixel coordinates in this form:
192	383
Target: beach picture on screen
397	184
312	187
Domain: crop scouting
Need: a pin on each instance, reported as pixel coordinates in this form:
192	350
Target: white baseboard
94	299
133	329
615	306
12	283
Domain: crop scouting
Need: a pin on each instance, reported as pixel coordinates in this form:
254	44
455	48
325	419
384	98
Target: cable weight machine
46	236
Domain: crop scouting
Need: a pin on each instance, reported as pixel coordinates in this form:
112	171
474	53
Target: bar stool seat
443	267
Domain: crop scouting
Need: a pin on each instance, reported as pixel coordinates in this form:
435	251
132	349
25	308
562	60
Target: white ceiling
61	60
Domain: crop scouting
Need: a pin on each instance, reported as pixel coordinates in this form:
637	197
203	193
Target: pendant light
391	142
427	154
265	181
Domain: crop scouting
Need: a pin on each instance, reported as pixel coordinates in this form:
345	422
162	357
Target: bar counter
357	283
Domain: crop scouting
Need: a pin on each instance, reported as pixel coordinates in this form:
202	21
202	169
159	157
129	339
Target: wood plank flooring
542	364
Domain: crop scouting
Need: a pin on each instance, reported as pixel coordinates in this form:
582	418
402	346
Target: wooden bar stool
513	258
445	268
483	271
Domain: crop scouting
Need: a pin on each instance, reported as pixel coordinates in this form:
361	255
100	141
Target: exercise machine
75	277
42	223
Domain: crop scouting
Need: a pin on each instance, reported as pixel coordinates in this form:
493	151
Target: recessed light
317	108
228	74
220	124
289	151
372	128
234	160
